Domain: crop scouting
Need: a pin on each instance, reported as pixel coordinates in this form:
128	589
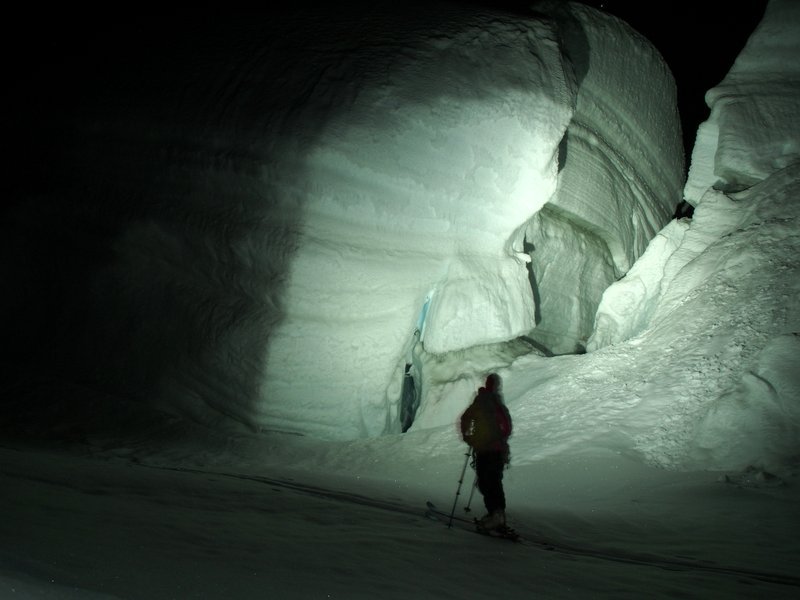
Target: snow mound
716	310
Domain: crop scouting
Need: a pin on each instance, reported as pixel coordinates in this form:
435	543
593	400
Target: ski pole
458	490
471	494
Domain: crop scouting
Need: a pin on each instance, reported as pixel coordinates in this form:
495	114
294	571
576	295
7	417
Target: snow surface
311	519
661	463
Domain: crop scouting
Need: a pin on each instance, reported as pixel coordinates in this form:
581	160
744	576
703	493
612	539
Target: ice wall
717	295
420	195
765	115
264	221
240	220
621	174
740	145
415	198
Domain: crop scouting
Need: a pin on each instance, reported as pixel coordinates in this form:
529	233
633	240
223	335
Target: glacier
264	233
292	234
726	281
204	286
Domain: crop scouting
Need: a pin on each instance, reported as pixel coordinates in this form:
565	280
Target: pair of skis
503	532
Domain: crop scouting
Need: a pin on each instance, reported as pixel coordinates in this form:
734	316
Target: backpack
486	424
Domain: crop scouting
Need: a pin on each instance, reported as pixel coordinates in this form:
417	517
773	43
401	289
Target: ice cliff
718	293
277	222
474	144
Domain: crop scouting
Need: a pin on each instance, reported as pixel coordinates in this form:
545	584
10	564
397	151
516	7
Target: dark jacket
486	424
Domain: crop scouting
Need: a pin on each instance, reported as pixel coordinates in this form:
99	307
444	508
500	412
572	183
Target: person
486	427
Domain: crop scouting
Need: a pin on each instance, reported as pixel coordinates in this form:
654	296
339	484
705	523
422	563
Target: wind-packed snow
416	186
661	463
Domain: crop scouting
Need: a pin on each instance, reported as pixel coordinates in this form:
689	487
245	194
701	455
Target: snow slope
84	528
713	302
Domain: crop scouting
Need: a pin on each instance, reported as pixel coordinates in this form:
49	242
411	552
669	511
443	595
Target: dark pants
489	466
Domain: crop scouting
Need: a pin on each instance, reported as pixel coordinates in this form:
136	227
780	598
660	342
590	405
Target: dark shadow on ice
152	222
529	248
158	199
537	345
409	402
574	42
562	151
684	210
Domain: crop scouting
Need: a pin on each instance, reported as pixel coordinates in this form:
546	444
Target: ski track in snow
159	529
527	538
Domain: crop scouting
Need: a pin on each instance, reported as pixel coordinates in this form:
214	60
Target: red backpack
486	424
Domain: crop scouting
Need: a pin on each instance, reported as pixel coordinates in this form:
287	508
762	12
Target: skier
486	426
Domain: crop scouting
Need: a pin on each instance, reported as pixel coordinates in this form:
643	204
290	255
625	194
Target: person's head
493	382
